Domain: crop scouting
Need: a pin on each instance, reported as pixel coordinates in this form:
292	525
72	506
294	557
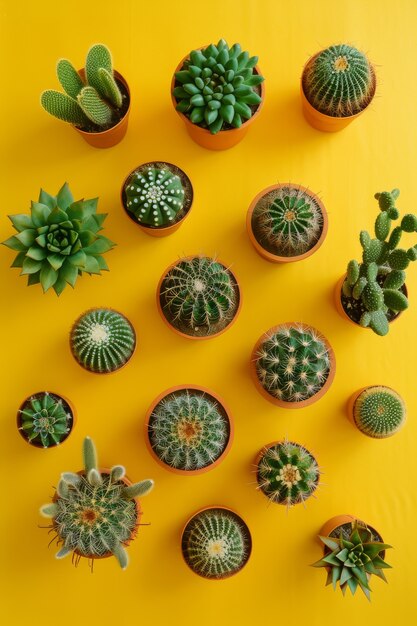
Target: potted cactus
198	297
102	340
188	430
293	365
218	92
216	543
95	512
59	240
373	292
377	411
286	223
157	196
337	85
45	419
96	100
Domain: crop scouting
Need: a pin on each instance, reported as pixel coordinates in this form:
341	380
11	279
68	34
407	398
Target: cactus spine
45	419
379	412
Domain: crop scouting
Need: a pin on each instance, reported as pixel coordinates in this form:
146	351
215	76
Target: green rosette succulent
45	419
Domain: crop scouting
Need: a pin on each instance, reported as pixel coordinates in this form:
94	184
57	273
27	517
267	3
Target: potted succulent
337	85
96	100
198	297
95	512
218	92
377	411
45	419
102	340
286	222
286	473
157	196
216	543
353	552
188	430
373	292
59	240
293	365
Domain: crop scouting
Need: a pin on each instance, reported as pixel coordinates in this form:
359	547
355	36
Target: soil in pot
45	419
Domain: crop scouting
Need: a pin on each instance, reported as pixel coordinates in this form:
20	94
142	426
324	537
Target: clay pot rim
351	410
72	422
331	525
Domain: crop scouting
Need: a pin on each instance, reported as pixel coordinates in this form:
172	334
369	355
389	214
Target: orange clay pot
302	403
334	523
73	413
269	256
203	470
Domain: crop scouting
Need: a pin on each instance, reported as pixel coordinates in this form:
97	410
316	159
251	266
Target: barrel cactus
45	419
379	411
216	543
216	87
339	81
102	340
94	513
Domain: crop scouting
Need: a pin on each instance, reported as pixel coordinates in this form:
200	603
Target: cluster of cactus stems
94	102
59	240
95	514
379	411
45	419
102	340
377	282
188	430
339	81
215	87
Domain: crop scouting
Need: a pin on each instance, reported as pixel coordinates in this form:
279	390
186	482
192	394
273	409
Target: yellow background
372	479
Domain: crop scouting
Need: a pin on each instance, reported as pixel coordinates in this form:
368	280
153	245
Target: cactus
215	87
188	430
95	514
292	363
102	340
379	411
45	419
339	81
216	543
59	240
287	473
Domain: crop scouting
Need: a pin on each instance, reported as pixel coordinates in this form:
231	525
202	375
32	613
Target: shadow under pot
45	419
286	223
198	297
292	365
216	543
377	411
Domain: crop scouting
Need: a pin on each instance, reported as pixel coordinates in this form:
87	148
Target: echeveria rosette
215	87
45	419
59	240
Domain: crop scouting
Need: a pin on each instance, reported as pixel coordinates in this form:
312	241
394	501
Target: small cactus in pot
45	419
378	411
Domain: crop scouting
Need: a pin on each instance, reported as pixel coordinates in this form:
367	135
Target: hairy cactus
188	430
216	543
95	514
102	340
45	419
379	411
287	473
216	87
59	240
339	81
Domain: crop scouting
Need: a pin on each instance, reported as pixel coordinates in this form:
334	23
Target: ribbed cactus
339	81
45	419
216	543
95	514
216	87
102	340
188	430
287	473
379	411
292	363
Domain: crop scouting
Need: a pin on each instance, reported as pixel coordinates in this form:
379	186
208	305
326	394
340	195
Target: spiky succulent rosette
59	240
379	411
45	419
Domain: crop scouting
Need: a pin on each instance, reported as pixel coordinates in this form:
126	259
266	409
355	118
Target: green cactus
379	411
216	543
339	81
45	419
59	240
216	87
95	514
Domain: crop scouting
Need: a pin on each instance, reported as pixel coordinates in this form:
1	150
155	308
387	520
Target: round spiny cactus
45	419
102	340
216	543
379	411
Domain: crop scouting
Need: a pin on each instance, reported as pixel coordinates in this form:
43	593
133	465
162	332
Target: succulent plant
216	543
59	240
94	513
339	81
293	362
287	473
351	562
45	419
102	340
373	291
379	411
215	87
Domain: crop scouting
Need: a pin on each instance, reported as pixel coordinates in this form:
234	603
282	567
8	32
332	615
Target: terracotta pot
340	520
38	445
302	403
270	256
351	411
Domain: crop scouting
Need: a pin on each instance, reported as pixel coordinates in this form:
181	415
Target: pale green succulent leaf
64	197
